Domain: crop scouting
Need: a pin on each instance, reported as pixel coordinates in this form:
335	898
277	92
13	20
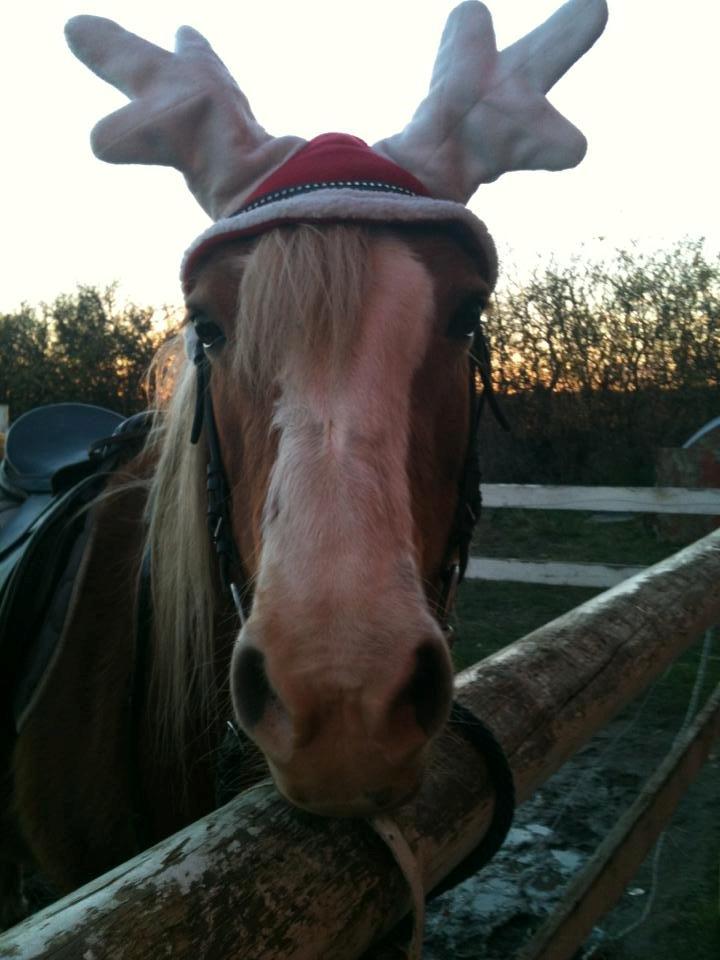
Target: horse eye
466	319
209	333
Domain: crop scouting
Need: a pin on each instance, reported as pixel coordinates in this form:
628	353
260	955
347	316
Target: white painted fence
687	500
675	500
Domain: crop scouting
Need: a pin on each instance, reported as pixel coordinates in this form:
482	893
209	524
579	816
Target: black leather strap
218	493
137	698
464	722
469	503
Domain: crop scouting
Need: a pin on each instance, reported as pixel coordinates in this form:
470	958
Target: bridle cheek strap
469	502
218	493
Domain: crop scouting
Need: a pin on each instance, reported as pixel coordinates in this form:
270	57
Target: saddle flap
16	522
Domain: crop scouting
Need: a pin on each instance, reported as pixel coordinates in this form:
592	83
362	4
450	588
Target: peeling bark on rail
259	881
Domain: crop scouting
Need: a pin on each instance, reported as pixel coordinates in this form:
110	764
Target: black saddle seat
48	446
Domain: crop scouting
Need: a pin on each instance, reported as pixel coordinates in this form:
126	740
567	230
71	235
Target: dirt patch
670	911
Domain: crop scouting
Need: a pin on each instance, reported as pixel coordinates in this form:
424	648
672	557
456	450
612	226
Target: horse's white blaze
338	559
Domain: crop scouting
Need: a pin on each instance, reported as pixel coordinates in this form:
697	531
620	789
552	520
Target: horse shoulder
81	737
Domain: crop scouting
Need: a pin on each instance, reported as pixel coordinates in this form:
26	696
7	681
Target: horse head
331	313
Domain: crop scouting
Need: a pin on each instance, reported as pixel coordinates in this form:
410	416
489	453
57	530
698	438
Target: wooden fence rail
259	881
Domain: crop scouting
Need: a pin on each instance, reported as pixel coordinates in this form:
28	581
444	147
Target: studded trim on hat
323	203
373	186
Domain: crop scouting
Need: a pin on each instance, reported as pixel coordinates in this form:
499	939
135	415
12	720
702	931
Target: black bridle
467	511
469	504
461	719
218	490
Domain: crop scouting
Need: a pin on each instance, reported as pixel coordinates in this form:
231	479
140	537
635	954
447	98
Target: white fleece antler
186	111
486	112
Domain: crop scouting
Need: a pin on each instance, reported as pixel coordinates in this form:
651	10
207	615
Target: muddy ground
670	911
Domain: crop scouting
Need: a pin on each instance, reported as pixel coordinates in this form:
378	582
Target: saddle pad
42	544
17	520
31	573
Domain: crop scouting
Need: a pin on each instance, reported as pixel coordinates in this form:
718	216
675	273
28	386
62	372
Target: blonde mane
300	293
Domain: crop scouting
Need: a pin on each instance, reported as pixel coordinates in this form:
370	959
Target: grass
572	536
491	615
695	934
693	931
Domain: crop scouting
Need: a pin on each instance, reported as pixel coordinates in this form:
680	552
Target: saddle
57	460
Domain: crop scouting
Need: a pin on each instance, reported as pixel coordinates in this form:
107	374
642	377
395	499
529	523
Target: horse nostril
251	690
428	691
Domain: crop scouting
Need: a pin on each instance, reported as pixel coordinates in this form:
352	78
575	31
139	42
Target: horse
329	372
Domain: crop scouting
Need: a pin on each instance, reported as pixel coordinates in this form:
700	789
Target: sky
646	97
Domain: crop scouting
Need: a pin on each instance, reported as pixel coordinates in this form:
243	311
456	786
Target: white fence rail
603	499
673	500
550	572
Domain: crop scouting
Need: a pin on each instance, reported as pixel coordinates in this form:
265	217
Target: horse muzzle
343	736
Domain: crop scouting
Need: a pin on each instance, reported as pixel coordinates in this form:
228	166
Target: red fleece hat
334	160
338	177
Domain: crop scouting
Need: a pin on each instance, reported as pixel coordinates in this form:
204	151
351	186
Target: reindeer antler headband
485	114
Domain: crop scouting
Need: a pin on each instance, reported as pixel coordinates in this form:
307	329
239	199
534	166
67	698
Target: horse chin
348	804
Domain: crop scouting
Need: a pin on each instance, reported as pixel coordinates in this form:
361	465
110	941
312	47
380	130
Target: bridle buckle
451	582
